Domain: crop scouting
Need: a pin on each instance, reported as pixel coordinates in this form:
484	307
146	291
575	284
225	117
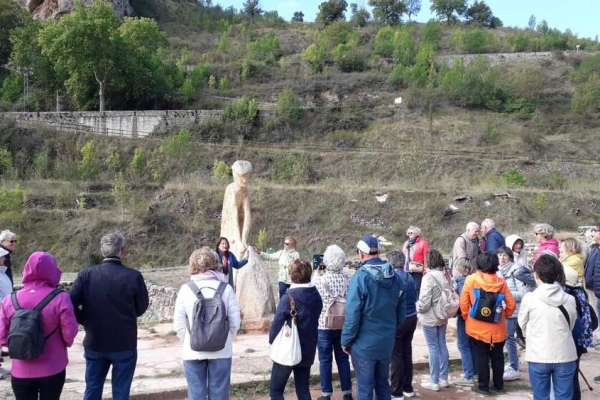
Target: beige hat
571	277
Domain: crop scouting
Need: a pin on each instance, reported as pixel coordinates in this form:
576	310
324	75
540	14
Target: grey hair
334	258
396	258
472	225
112	244
547	231
7	235
488	223
416	230
241	167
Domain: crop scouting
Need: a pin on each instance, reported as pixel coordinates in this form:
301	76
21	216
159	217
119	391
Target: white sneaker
511	375
462	381
444	383
431	386
408	394
397	398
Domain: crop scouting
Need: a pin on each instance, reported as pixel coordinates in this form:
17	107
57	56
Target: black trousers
46	388
402	365
418	277
484	353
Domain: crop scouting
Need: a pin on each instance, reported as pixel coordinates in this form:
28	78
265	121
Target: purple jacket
548	246
40	276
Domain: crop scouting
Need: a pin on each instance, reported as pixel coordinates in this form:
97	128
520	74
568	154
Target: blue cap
368	245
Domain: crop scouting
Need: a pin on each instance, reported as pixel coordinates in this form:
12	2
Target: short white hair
241	167
488	223
472	225
334	258
112	244
7	235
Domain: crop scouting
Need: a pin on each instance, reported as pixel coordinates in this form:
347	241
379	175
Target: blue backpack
487	306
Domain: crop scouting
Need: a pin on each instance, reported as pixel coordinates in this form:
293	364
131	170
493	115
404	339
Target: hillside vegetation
312	107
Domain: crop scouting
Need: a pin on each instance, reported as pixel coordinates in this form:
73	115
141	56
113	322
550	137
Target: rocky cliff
46	9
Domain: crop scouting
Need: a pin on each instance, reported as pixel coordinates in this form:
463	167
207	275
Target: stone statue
252	284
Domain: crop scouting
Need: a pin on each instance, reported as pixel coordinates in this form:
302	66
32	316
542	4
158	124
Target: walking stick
585	380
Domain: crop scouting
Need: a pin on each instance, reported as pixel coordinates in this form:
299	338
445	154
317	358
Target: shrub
89	166
12	87
221	170
6	163
12	199
587	96
349	59
339	32
432	34
242	109
139	163
265	48
196	80
289	108
223	84
262	239
41	165
513	178
293	169
114	161
404	48
314	57
586	69
384	42
477	41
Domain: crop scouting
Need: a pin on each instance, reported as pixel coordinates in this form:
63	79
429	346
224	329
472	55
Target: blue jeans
279	377
465	347
329	343
541	375
435	336
208	378
371	375
96	369
511	343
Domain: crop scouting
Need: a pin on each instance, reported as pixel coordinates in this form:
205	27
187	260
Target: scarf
225	262
409	245
208	275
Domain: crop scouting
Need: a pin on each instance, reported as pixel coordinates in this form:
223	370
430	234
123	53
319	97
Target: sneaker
408	394
511	375
497	391
431	386
397	397
444	383
462	381
347	396
597	379
480	391
4	372
328	397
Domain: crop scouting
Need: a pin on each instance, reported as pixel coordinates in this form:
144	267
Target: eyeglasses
410	233
12	241
287	244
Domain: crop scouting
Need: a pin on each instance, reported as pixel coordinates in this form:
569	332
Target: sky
577	15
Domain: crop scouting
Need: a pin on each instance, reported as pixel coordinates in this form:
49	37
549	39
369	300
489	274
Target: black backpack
26	338
210	322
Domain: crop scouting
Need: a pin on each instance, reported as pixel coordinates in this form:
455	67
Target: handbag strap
293	311
566	314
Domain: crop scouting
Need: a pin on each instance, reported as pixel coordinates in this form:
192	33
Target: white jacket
549	338
429	295
285	258
184	307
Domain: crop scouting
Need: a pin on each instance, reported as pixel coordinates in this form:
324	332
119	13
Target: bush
242	109
89	167
586	69
587	96
293	169
195	81
477	41
339	32
6	163
314	56
266	48
289	108
349	59
432	34
139	163
384	42
513	178
12	199
404	48
221	170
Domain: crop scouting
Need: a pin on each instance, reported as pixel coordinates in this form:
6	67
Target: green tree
89	166
587	96
478	41
404	47
289	108
360	15
6	163
432	34
12	15
348	59
531	24
122	193
265	48
196	80
12	199
314	57
388	11
332	10
449	9
413	7
84	44
252	9
175	153
479	12
298	16
139	163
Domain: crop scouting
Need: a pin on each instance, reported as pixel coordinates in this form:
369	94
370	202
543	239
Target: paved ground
159	371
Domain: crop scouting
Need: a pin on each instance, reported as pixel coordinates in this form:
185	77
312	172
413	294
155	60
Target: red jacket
417	252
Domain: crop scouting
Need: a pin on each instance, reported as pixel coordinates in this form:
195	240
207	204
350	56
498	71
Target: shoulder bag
285	349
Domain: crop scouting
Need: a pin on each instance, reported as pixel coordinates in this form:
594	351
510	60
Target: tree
413	7
481	13
314	56
449	9
360	15
332	10
531	24
252	9
11	16
388	11
289	108
298	16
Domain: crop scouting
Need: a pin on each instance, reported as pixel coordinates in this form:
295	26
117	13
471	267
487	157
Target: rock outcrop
46	9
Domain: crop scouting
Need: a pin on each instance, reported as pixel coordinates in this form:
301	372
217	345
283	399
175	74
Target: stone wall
162	303
115	123
494	58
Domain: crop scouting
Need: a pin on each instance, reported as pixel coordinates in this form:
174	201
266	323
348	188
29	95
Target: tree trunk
101	95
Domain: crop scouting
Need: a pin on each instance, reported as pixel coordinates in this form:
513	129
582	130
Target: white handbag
285	349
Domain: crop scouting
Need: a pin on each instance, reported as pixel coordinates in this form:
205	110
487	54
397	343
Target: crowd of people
502	299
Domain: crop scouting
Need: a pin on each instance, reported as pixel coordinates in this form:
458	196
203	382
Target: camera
317	262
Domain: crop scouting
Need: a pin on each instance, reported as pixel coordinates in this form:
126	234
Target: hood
381	272
307	295
511	239
572	258
41	269
551	294
488	282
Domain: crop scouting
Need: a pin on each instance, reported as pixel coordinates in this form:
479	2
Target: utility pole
25	89
57	101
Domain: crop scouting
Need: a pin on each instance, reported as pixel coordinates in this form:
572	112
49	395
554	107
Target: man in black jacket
108	298
8	241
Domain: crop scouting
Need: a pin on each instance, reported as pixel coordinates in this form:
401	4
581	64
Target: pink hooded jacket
548	246
40	276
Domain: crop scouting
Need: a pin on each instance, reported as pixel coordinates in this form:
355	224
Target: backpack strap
566	314
221	288
195	290
47	299
13	297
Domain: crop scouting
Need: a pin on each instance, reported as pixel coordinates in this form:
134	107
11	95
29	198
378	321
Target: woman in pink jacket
415	249
544	235
42	377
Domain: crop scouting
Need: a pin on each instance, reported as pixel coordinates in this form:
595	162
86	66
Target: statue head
241	172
